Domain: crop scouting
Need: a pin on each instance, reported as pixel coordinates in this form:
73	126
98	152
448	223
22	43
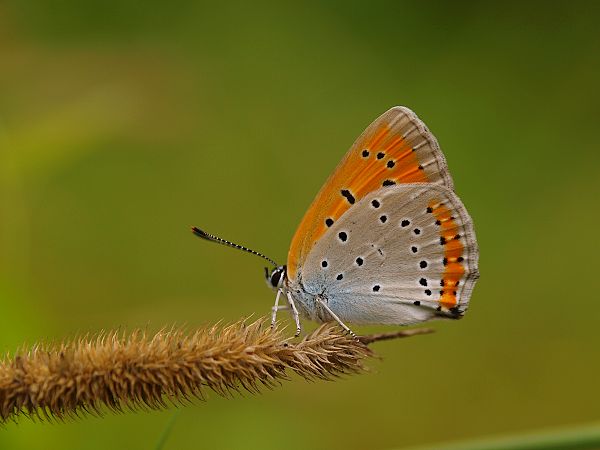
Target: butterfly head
275	277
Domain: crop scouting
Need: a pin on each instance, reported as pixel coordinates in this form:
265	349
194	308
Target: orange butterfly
386	240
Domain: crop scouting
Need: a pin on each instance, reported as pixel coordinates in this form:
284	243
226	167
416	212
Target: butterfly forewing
400	255
396	148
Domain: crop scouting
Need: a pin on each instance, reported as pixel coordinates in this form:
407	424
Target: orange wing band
453	254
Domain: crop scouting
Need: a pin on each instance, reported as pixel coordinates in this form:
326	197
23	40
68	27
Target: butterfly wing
400	255
396	148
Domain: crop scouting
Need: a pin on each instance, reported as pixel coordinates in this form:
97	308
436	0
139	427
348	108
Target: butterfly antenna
211	237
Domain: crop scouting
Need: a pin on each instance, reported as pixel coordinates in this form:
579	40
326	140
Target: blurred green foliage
123	123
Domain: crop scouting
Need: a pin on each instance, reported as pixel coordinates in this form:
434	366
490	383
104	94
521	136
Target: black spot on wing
346	193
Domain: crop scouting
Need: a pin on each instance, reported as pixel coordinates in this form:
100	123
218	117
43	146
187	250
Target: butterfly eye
275	278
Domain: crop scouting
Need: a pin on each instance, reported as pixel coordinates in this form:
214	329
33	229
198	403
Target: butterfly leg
275	308
335	317
295	314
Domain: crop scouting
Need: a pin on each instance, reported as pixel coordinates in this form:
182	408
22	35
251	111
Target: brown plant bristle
121	371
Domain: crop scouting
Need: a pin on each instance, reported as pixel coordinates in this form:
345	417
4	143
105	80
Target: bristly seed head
118	371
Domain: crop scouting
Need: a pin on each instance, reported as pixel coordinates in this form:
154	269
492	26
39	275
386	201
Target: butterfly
385	241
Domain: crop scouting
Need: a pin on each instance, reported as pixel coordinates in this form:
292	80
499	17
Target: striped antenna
211	237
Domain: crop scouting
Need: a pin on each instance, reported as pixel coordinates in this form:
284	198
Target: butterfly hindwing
402	254
396	148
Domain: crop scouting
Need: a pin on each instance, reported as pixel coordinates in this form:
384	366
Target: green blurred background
123	123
